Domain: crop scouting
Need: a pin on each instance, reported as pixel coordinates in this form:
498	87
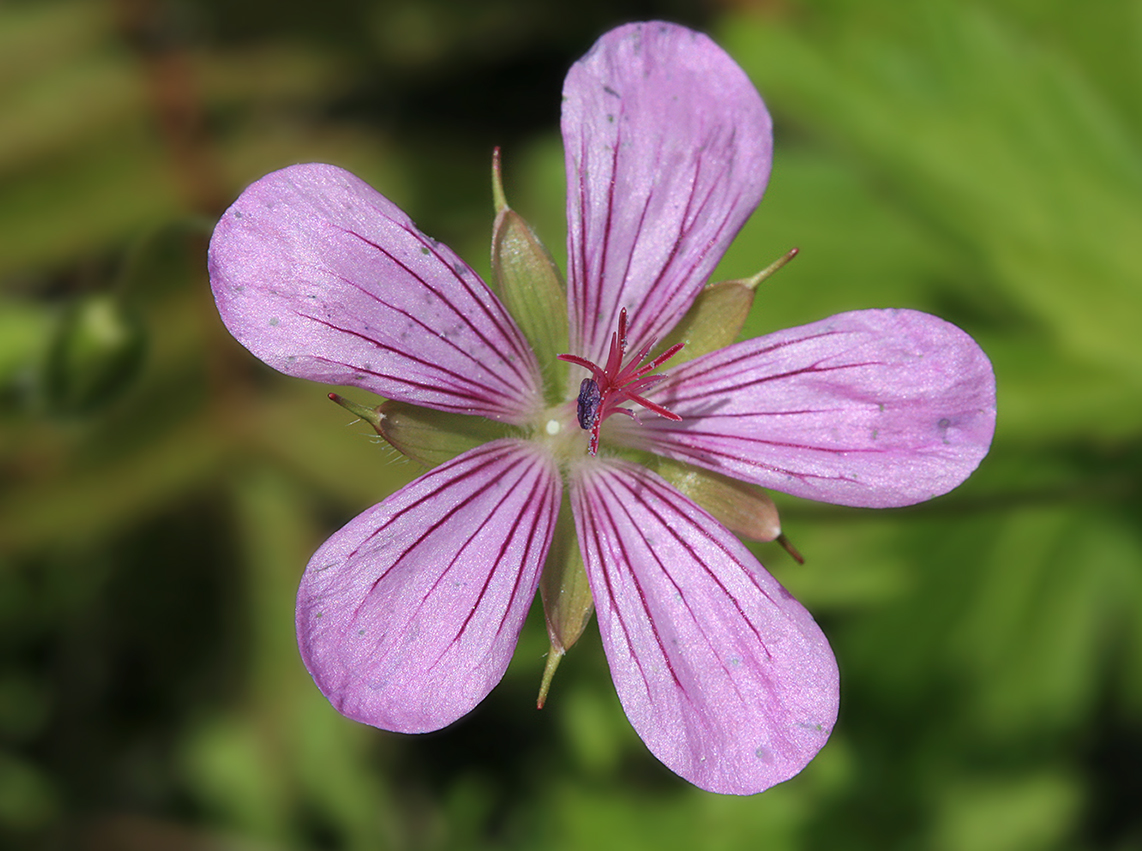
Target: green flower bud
530	285
95	354
567	601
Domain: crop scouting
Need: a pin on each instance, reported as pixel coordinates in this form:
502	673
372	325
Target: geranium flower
407	617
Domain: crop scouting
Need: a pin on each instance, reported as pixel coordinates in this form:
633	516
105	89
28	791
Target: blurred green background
162	490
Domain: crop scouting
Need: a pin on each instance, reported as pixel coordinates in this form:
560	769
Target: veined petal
722	673
668	148
324	278
408	616
873	408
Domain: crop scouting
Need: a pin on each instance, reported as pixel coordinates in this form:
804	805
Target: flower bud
567	601
95	354
530	285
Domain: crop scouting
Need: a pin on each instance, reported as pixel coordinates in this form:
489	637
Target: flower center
616	383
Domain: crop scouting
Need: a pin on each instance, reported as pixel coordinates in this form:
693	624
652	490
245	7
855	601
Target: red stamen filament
617	383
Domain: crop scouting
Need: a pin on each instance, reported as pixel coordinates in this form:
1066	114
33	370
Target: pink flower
408	616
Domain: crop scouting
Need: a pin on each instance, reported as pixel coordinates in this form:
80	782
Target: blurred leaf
53	114
23	707
858	248
24	330
273	75
1060	592
112	189
1012	814
95	354
27	798
89	505
609	818
37	37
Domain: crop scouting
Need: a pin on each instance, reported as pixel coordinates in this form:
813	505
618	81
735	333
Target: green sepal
526	279
744	509
718	314
567	601
423	434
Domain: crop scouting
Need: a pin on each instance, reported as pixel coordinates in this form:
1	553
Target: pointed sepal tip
499	198
554	657
777	264
370	415
789	548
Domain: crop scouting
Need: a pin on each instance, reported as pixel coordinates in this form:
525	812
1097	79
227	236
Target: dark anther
589	400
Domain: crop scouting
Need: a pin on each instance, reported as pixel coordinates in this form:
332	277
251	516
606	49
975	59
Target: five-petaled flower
407	617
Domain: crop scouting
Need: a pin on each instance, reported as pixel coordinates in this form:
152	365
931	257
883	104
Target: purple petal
722	673
874	408
408	616
668	149
324	278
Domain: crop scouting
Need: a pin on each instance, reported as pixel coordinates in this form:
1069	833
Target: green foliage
979	160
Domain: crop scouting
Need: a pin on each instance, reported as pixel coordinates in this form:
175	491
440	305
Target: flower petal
722	673
668	149
324	278
874	408
408	616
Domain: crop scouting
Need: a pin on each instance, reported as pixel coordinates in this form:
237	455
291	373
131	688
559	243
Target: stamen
609	387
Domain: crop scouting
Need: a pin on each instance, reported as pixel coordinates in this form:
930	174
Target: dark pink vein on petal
412	317
533	496
630	253
578	258
527	467
490	453
691	215
605	568
435	385
620	502
695	209
698	381
701	457
668	497
605	237
507	333
589	285
710	392
507	329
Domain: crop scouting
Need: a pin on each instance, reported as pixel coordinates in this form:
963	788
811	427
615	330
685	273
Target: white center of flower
554	427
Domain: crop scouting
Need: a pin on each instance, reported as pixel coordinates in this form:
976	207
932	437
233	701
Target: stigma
617	383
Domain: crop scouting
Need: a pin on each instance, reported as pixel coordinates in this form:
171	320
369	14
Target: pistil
616	383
